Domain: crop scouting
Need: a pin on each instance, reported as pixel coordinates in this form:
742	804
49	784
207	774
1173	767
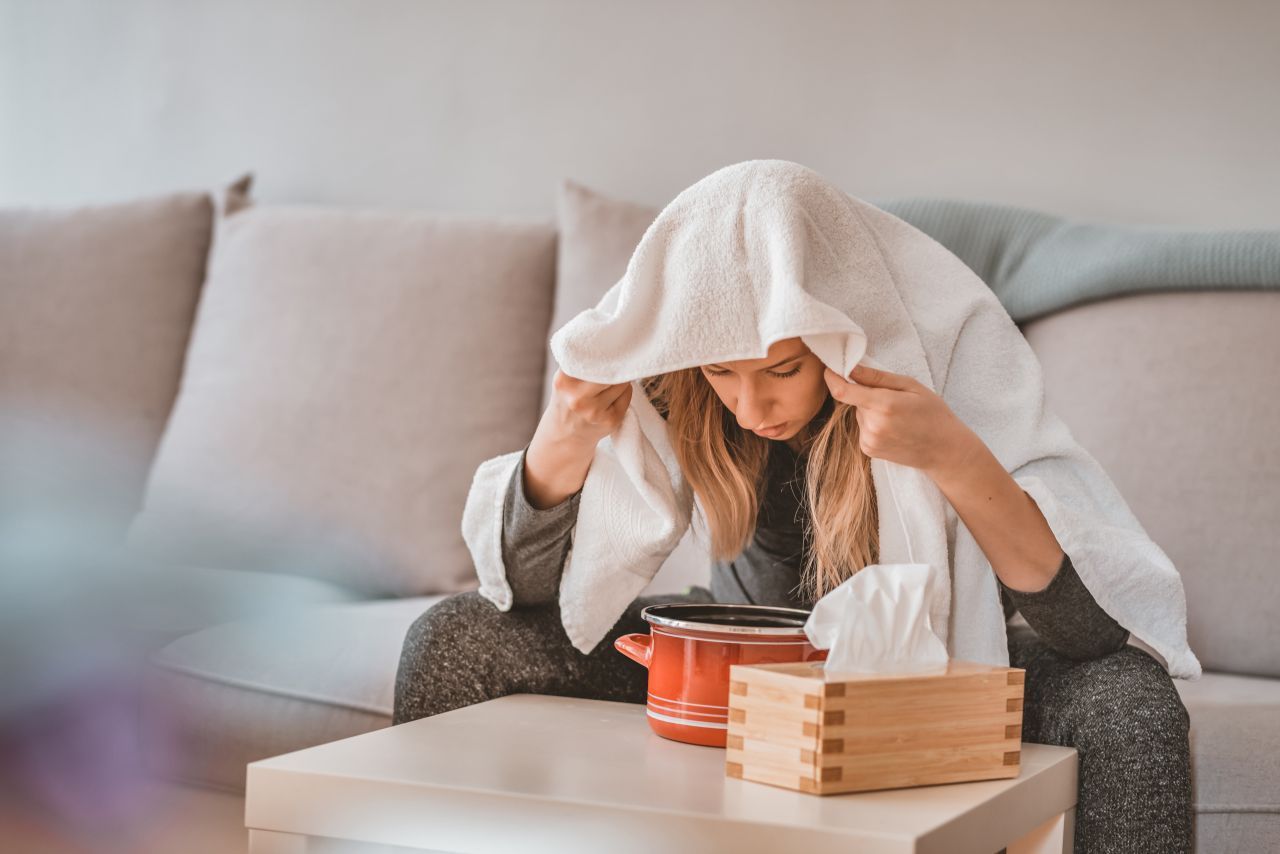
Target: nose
751	412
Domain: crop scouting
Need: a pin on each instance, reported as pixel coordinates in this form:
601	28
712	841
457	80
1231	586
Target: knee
436	649
1125	703
452	617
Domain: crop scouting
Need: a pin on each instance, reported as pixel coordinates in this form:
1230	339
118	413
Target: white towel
765	250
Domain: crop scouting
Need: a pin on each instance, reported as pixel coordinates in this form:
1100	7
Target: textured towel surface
765	250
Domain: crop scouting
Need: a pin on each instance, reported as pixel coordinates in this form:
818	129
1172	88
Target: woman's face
785	388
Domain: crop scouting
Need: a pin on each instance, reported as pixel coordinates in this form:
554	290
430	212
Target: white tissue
877	621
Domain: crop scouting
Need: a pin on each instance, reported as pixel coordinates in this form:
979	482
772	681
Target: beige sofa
295	398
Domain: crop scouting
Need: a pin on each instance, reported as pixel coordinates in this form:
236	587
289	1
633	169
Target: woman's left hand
903	421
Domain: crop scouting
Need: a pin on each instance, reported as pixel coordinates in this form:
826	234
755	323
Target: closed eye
790	373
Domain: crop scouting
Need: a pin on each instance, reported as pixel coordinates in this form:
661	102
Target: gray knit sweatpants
1121	711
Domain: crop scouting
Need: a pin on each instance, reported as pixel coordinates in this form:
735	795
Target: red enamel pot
689	649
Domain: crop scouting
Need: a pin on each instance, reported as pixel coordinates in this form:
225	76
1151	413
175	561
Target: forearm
553	468
1005	521
1067	617
535	542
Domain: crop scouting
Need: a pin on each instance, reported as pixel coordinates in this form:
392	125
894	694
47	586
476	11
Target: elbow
1096	646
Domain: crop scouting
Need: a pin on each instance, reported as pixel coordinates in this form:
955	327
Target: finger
877	378
618	409
605	392
852	393
579	389
624	390
589	386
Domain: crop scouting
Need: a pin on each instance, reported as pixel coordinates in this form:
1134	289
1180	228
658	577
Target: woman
758	297
782	506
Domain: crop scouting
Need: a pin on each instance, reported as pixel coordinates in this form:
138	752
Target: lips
768	431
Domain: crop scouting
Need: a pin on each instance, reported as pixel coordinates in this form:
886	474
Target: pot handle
636	646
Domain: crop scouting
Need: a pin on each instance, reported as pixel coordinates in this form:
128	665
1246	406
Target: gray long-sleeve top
535	544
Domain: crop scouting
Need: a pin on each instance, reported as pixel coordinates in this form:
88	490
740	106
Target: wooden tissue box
797	726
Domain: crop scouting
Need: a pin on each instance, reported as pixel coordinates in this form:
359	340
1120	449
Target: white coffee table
533	773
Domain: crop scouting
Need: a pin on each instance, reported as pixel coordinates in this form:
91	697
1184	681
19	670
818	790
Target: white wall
1137	111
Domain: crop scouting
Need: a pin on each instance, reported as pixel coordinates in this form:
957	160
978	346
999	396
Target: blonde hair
726	467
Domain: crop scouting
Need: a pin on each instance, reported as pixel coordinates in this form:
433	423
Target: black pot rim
734	619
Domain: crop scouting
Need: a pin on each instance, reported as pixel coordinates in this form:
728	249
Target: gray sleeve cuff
535	541
1067	617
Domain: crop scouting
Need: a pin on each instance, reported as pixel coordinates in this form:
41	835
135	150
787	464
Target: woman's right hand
582	412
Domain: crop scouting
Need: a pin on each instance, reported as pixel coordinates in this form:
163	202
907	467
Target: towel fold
765	250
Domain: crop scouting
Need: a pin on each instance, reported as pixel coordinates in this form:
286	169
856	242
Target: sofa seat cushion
223	697
187	599
1235	727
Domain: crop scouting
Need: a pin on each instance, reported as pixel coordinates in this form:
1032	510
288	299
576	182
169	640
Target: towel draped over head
765	250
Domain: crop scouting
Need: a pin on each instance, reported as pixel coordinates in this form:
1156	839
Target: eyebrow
766	367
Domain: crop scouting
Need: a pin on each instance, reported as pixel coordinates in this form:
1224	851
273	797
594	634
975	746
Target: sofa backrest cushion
1175	394
96	305
596	235
348	371
1144	381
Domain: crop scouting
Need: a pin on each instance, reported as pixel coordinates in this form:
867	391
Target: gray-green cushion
1037	263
